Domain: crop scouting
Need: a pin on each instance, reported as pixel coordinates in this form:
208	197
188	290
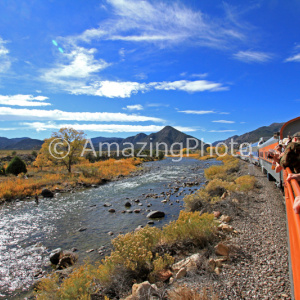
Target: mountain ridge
254	135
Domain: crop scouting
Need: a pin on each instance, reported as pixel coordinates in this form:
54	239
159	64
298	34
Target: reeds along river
28	232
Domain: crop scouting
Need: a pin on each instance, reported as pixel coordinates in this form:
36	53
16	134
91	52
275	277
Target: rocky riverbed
88	219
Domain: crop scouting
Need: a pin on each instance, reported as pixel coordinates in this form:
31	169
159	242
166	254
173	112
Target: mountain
135	139
169	136
24	143
255	135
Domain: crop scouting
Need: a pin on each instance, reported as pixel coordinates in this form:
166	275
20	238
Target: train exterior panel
266	163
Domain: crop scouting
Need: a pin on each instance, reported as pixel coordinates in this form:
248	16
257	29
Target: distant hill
255	135
20	144
167	135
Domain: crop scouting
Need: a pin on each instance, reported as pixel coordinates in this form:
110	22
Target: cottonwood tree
63	148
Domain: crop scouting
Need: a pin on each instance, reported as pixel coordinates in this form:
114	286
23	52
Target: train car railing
292	190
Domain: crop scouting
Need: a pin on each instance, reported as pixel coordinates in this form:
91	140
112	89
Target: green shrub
14	153
16	166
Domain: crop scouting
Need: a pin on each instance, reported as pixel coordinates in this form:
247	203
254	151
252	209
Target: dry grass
222	178
187	293
4	153
133	258
56	177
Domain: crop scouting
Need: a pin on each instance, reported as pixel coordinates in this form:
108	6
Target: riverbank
218	276
29	232
57	180
164	253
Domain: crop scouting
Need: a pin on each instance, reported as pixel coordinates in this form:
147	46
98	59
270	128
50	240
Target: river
29	232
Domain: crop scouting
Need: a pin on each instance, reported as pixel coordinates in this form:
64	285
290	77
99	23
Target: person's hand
278	168
297	205
291	176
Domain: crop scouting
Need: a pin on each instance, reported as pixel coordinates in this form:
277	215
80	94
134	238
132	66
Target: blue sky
212	69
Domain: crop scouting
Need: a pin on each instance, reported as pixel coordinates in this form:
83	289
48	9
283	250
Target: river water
29	232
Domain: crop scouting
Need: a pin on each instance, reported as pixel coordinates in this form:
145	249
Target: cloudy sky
212	69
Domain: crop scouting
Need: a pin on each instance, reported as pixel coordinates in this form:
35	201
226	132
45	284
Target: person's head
296	137
273	155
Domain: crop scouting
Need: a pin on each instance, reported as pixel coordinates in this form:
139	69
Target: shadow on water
28	232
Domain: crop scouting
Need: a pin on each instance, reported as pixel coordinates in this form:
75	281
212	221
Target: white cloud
8	129
134	107
226	130
75	69
158	105
36	114
203	75
295	58
253	56
223	121
5	60
39	126
189	86
197	112
224	113
23	100
162	23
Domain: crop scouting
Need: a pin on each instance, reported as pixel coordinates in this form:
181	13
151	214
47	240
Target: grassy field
4	153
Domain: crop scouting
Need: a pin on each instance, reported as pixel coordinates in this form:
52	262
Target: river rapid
29	232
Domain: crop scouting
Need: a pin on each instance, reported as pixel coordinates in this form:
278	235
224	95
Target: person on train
290	157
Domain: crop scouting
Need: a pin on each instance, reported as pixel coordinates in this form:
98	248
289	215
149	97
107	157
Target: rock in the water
66	259
110	233
107	204
128	204
54	256
137	211
156	214
111	210
150	222
82	229
47	193
222	249
89	251
139	227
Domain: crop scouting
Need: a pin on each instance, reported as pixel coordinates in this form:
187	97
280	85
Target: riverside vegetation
65	173
147	253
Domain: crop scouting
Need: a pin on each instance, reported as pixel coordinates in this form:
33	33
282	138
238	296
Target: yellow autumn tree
63	148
